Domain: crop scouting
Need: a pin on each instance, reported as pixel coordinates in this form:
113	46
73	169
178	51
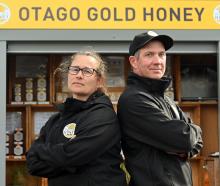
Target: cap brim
166	40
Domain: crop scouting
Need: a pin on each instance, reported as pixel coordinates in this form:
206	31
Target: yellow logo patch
69	131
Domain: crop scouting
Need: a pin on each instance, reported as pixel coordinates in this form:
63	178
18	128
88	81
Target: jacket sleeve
143	120
100	134
35	165
199	144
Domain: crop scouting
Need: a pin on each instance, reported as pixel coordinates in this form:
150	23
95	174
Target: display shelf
15	158
39	116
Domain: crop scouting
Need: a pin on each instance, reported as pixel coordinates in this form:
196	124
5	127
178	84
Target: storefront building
196	51
36	37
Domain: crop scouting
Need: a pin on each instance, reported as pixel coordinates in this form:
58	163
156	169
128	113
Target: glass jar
18	135
41	94
29	95
29	83
18	149
17	89
41	82
18	97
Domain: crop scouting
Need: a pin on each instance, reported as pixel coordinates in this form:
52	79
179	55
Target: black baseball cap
142	39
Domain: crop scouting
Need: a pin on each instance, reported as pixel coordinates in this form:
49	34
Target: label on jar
18	98
17	90
41	96
18	150
29	83
18	135
41	83
29	96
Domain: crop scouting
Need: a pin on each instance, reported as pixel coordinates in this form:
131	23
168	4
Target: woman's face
83	79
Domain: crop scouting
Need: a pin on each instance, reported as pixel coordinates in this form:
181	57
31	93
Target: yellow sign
109	14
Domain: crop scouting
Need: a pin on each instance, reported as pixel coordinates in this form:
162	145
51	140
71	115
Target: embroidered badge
69	131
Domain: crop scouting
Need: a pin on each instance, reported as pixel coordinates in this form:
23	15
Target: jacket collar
74	106
152	85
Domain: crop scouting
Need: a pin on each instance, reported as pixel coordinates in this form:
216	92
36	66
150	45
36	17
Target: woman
80	146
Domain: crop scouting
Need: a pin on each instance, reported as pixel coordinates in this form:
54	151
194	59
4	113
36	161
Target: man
157	139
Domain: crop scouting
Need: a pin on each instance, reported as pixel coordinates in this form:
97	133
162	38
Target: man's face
151	61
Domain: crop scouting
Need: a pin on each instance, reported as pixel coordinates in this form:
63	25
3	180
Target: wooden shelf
42	105
211	102
15	158
16	106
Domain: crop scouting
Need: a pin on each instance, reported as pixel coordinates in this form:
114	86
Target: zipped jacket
157	138
79	146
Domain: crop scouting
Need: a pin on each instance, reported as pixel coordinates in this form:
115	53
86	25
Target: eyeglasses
74	70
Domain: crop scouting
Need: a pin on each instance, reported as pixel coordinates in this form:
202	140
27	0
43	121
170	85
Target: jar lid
20	143
41	89
29	90
17	94
41	76
18	129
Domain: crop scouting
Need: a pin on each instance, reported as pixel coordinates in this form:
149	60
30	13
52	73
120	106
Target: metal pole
2	111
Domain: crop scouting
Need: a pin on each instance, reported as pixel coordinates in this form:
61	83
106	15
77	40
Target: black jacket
89	155
157	138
